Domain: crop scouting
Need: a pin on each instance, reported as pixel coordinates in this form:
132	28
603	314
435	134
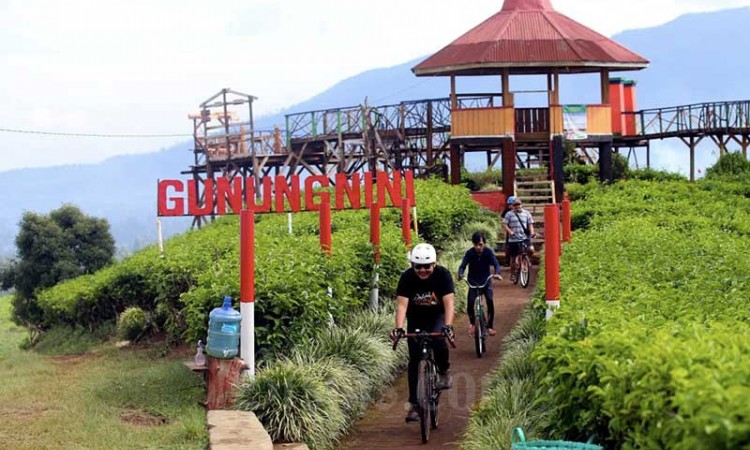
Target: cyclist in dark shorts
519	227
424	299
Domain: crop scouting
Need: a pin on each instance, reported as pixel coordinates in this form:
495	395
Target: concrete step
235	430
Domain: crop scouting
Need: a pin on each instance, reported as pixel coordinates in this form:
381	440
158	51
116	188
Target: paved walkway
383	426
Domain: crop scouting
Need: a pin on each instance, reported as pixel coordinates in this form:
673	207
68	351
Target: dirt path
383	426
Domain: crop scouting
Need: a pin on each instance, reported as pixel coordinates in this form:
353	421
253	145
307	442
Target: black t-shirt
426	310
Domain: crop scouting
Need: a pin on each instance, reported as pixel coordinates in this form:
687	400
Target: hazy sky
139	67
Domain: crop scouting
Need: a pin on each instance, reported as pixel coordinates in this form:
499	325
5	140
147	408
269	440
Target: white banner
574	122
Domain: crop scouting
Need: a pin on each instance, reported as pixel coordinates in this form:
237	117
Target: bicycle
428	395
480	319
522	274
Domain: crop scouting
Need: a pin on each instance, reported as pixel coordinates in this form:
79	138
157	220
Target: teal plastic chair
518	442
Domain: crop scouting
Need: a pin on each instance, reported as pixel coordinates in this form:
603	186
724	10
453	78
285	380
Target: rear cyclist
519	227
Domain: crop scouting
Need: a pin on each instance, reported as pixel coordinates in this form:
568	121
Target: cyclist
519	227
480	258
424	298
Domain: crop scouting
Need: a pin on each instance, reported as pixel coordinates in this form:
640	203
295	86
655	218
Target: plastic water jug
224	331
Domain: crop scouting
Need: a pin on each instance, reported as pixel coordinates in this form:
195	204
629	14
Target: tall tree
51	248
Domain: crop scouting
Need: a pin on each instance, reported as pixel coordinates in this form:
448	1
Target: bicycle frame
428	396
480	319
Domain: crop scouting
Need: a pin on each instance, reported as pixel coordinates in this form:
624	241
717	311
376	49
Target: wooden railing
599	119
482	122
689	119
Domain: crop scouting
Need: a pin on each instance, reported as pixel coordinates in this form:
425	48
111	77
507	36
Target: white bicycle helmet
423	254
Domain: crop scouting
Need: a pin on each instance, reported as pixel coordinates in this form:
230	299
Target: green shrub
580	173
477	181
620	168
730	163
655	175
132	323
442	210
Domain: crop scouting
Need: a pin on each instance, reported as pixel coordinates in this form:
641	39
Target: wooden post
454	100
604	82
605	162
223	378
455	164
692	159
509	167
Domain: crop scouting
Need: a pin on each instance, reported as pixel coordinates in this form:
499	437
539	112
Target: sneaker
471	330
413	414
445	381
491	332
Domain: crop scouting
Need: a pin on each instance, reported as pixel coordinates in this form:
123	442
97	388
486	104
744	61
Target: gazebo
527	37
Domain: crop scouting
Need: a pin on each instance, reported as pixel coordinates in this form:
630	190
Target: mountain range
694	58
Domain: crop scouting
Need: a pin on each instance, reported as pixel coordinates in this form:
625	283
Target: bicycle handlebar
479	287
424	334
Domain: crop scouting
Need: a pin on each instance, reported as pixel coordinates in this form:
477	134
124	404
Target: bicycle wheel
424	394
524	274
481	343
480	328
517	270
434	403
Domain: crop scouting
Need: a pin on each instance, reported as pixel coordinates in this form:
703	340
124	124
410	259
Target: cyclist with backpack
519	227
425	300
479	259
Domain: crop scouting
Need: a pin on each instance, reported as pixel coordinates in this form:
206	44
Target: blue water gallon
224	331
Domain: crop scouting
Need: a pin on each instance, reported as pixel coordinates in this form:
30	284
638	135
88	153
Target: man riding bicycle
424	298
479	258
519	227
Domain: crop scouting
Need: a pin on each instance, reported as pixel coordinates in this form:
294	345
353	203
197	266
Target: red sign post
247	288
552	257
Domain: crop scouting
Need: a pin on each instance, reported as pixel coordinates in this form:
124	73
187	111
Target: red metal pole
247	289
375	230
325	226
552	253
406	222
247	256
566	220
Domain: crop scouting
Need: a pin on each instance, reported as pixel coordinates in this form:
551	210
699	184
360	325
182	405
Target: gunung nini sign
181	197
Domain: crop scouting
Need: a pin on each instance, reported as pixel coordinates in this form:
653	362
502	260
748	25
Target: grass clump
294	404
132	324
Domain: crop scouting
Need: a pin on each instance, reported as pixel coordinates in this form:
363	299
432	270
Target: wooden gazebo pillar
509	167
455	150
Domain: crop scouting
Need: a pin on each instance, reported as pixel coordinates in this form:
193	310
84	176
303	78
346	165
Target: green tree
51	248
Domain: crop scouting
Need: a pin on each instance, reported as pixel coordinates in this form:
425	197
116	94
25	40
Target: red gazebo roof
529	37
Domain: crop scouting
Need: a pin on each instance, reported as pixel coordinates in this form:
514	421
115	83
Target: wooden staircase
536	192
